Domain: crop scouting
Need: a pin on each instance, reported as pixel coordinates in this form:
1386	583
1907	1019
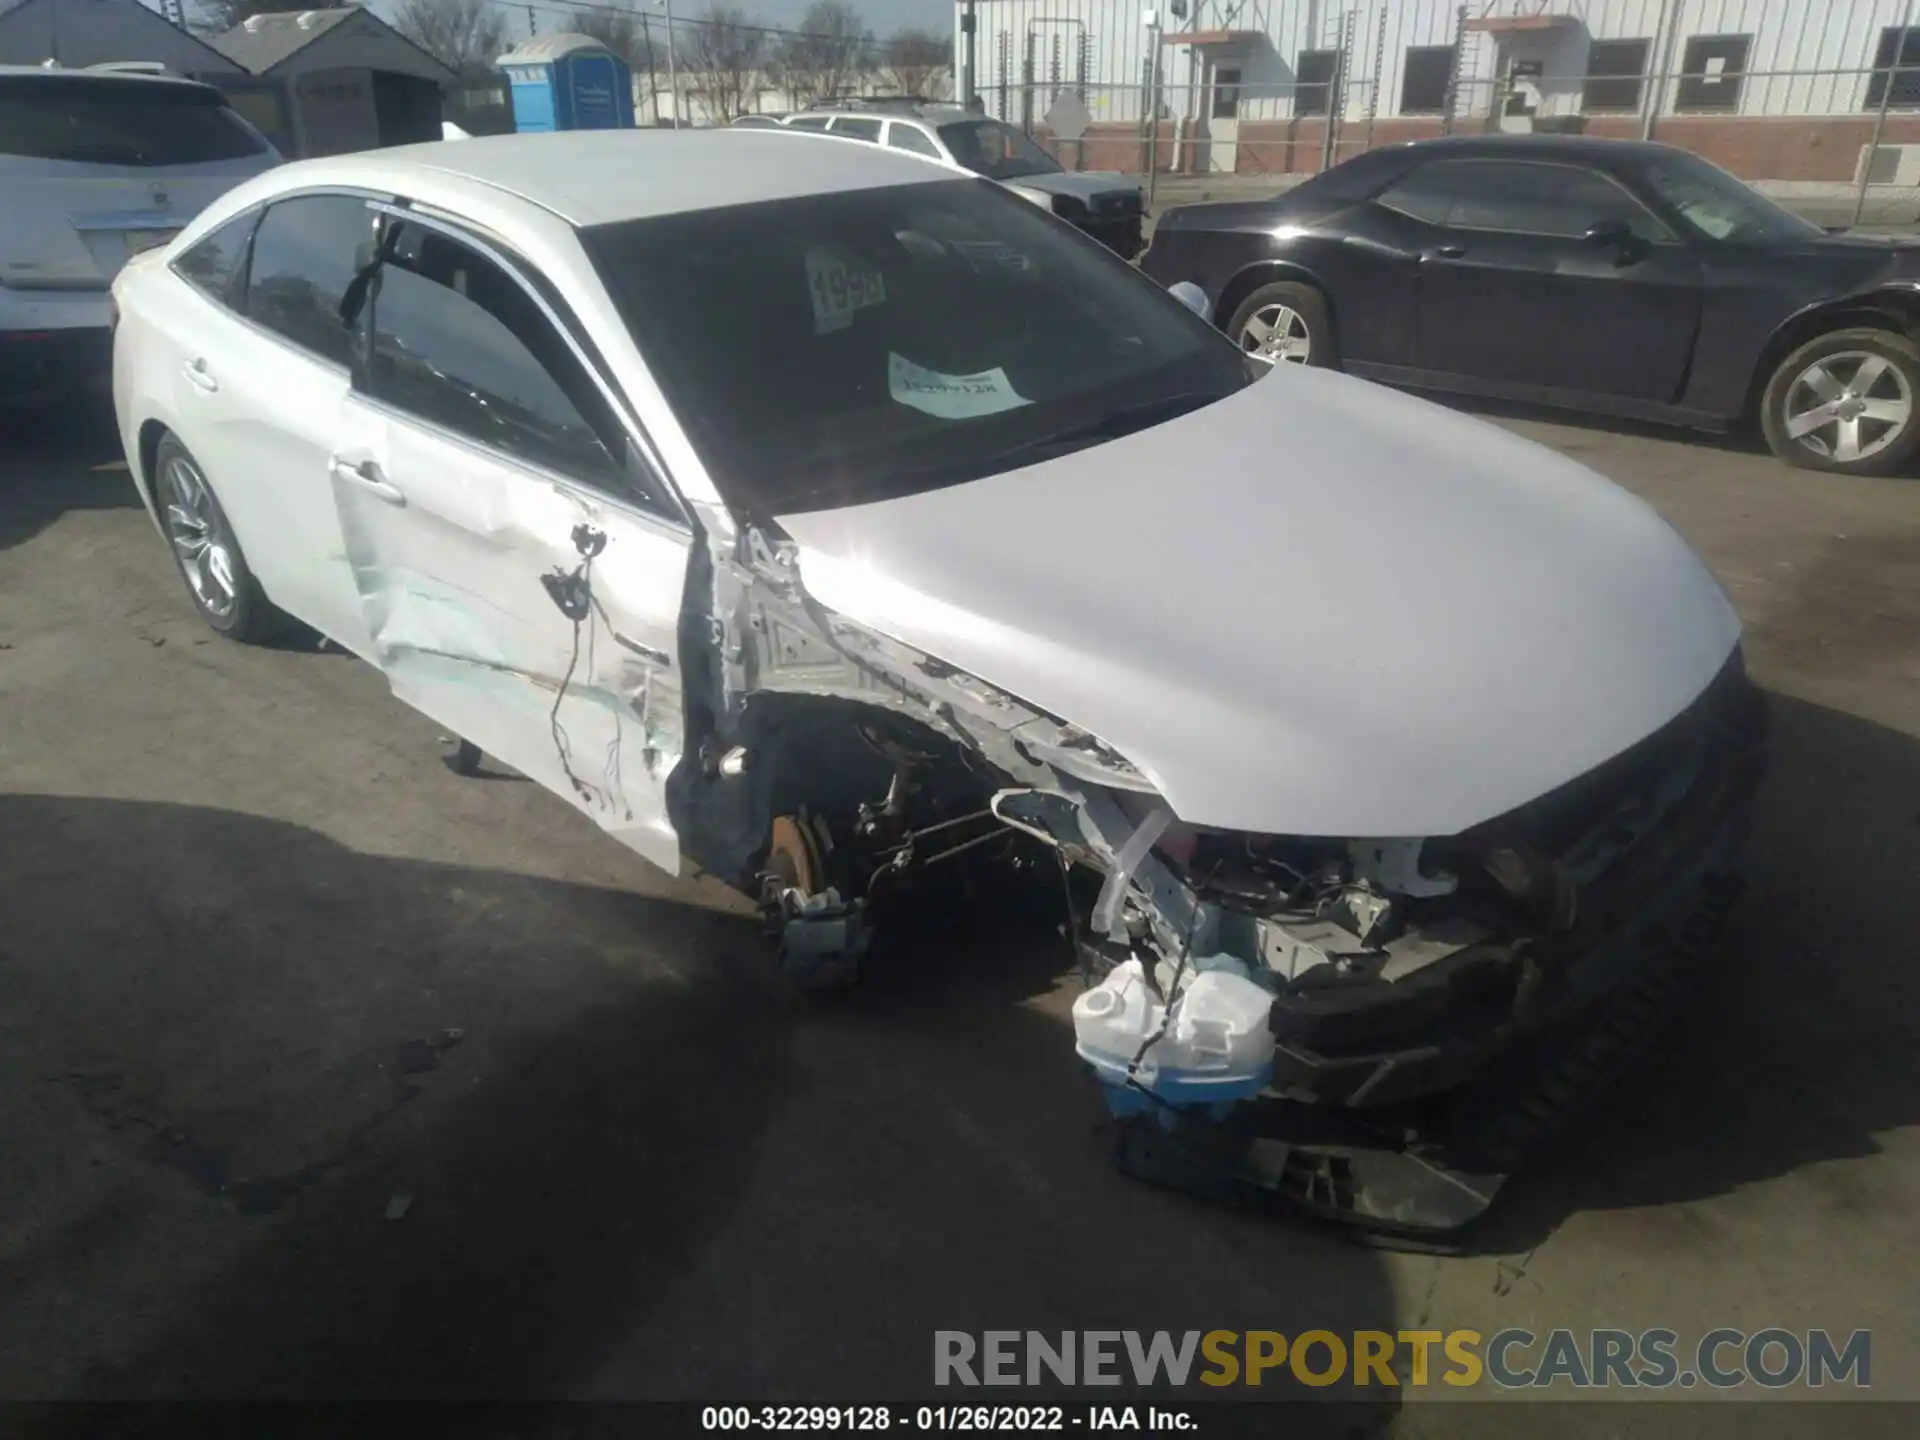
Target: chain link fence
1789	91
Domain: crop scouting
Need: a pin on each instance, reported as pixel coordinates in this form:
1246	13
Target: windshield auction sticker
839	289
951	397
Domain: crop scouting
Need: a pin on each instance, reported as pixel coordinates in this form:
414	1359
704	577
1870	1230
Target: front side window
860	127
844	348
909	137
211	266
810	122
458	343
100	120
1523	196
1718	206
996	150
305	256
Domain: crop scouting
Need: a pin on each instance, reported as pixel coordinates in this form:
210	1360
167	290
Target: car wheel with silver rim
1285	323
1847	402
205	548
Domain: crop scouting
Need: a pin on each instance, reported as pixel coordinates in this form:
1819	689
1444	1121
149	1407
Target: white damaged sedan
816	515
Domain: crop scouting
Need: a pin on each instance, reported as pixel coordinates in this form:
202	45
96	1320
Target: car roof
58	73
597	177
1539	147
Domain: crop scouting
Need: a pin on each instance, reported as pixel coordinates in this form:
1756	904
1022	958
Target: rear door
1510	291
261	342
95	168
521	569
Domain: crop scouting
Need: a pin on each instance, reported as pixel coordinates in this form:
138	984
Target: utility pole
1887	80
1153	103
969	20
673	70
533	25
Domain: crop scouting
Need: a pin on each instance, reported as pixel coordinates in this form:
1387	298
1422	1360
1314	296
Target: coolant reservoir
1218	1048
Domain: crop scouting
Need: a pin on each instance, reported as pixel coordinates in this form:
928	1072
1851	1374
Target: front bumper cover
1406	1112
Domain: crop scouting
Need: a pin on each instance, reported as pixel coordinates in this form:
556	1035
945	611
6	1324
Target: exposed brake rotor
793	854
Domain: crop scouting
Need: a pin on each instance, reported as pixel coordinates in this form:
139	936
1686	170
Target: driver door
1511	290
521	578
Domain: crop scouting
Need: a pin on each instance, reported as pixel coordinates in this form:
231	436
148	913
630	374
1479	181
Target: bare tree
827	53
627	34
465	35
621	31
211	17
917	62
729	55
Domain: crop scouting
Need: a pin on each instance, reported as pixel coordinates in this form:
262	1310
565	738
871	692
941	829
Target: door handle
196	372
366	474
1450	252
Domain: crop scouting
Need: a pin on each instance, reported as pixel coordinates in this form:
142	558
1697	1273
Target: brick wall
1757	148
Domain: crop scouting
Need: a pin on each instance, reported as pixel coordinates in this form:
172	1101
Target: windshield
103	121
1721	207
864	345
996	150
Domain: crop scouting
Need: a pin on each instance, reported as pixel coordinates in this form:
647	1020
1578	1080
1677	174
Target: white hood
1318	607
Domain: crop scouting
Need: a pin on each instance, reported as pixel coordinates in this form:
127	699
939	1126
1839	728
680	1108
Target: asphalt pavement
271	975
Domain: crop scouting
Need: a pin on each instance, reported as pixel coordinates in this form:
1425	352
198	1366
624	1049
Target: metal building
1775	89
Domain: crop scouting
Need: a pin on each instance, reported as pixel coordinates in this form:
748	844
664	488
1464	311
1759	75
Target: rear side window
94	120
859	129
305	255
907	137
211	265
458	342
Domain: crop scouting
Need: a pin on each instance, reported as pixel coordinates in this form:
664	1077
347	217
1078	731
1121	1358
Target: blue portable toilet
568	82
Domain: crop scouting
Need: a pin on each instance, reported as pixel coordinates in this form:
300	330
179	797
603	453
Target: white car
1105	204
816	515
97	165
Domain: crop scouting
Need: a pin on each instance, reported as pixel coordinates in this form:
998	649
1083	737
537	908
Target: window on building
1710	72
1899	51
1226	94
1616	71
1313	82
1426	79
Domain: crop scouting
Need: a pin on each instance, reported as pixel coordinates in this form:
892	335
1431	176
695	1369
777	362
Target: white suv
1105	204
97	165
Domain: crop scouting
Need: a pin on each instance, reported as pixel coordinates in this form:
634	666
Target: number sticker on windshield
951	397
839	289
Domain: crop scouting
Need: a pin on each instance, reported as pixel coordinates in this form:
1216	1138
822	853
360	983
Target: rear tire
206	551
1847	402
1285	323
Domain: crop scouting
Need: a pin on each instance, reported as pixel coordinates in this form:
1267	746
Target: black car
1611	276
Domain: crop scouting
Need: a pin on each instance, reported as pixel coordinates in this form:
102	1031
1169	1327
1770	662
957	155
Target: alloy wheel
199	539
1848	406
1277	334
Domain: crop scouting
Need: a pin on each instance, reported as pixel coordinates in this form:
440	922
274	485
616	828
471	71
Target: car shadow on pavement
63	458
297	1121
1799	1048
1742	440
